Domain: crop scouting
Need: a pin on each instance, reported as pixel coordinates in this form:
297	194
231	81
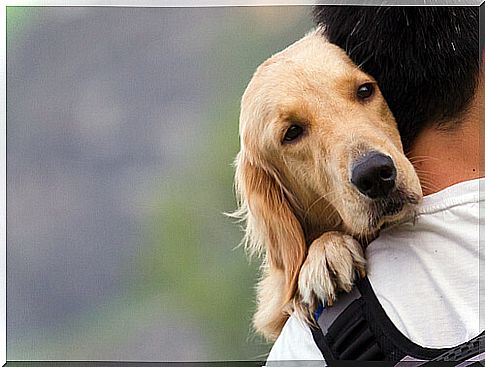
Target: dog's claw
333	262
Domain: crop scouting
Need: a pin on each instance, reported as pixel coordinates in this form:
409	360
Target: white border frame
132	3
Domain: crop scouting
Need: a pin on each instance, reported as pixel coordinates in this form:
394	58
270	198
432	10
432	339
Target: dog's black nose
374	175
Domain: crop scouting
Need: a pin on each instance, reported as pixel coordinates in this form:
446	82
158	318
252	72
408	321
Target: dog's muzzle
384	210
374	175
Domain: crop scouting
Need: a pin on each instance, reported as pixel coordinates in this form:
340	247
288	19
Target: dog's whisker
416	161
425	173
365	60
332	204
355	48
423	156
430	187
323	197
426	176
427	180
411	159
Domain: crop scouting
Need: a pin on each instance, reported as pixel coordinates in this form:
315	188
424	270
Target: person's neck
444	157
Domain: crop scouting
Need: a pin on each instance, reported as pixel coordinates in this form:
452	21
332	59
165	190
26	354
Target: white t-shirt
426	275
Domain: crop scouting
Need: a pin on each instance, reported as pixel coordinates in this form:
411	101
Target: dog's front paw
331	265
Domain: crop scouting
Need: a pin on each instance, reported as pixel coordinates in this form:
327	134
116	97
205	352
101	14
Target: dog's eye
365	91
293	132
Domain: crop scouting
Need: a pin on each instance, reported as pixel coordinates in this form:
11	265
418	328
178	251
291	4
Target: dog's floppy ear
272	229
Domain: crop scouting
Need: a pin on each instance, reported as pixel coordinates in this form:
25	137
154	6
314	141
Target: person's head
426	60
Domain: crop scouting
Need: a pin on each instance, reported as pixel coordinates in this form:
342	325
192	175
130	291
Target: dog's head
320	151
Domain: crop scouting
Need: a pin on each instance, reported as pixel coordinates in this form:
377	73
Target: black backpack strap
326	319
356	327
387	332
473	349
344	333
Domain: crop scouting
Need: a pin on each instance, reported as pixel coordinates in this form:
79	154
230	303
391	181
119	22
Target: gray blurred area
112	116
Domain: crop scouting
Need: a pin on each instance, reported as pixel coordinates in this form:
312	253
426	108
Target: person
424	275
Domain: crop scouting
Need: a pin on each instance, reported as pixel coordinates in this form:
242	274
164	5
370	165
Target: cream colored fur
302	214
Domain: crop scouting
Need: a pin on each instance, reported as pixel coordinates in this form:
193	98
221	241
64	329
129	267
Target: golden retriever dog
321	170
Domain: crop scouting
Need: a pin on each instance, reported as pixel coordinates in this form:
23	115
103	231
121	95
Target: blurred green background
122	125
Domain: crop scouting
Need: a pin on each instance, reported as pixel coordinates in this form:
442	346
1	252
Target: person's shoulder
295	343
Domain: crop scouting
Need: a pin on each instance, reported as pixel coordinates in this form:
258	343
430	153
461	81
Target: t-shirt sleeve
295	343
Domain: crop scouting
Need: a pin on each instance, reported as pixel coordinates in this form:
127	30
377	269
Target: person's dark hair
426	60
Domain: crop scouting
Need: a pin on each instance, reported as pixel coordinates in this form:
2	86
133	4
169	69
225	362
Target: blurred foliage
190	266
192	257
18	19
